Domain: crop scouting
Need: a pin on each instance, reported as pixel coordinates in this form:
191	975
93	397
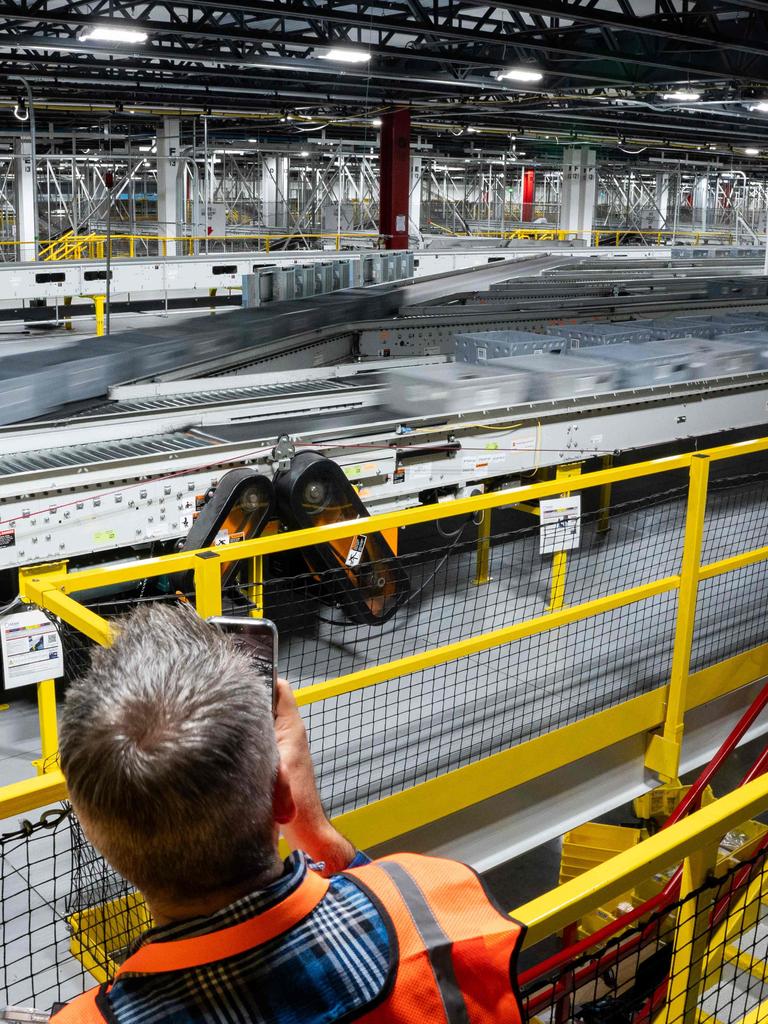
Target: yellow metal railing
659	712
699	833
126	246
71	246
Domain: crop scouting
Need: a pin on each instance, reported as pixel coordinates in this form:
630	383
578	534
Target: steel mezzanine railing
696	958
678	530
658	708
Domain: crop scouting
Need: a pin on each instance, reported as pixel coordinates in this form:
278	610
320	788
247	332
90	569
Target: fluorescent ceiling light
346	56
520	75
116	35
762	107
751	151
376	122
683	95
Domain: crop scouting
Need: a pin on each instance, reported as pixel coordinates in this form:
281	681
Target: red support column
394	178
529	186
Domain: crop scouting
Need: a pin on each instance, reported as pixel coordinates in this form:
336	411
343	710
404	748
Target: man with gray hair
183	779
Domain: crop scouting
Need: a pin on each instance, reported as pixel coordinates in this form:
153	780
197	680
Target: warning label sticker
7	538
356	551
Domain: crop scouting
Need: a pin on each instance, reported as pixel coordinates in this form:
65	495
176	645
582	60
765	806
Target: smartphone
258	637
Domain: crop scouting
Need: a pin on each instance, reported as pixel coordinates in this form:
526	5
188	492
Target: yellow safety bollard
67	320
99	302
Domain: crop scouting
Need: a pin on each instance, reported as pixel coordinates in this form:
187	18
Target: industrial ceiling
598	70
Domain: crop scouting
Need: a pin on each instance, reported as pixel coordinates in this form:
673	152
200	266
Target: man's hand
311	830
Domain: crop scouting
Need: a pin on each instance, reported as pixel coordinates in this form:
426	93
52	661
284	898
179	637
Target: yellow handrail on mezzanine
659	713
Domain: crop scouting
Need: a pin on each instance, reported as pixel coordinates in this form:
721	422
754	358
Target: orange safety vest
453	957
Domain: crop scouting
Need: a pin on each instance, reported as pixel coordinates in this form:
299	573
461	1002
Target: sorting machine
129	475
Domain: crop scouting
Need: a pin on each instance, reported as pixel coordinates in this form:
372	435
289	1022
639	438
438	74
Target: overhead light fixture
520	75
762	107
376	122
751	151
304	153
102	34
346	56
683	95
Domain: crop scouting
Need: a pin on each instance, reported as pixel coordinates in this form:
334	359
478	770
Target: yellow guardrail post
604	499
208	584
256	585
560	558
691	937
663	753
483	562
49	726
46	690
67	319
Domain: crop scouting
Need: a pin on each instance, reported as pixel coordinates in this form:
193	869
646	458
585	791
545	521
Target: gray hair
169	752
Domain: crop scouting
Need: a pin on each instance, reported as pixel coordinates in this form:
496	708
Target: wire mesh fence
66	918
377	741
383	739
700	958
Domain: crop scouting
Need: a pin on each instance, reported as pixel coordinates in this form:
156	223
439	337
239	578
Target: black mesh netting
56	891
701	958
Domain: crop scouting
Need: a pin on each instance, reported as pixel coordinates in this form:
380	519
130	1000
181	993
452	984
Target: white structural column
662	201
26	205
577	209
700	195
274	190
414	202
168	182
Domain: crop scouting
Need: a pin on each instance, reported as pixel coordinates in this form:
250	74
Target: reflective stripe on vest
456	952
453	951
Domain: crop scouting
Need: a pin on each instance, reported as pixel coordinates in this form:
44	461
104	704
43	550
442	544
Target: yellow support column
663	753
211	294
131	246
691	938
208	584
483	563
604	500
67	320
560	558
49	726
99	302
256	581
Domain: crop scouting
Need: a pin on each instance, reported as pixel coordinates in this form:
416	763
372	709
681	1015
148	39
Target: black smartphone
259	638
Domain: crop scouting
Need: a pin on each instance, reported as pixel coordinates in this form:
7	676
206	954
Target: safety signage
31	648
560	520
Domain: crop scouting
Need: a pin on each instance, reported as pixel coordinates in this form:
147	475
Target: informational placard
560	520
31	648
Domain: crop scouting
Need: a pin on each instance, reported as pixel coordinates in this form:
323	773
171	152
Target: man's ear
283	804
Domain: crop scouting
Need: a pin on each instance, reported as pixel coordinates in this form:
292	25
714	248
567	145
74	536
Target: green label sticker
491	446
101	535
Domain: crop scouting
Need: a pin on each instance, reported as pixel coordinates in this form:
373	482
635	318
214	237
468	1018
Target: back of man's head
169	752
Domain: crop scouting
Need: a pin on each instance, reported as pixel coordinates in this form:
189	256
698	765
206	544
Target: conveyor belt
81	455
225	396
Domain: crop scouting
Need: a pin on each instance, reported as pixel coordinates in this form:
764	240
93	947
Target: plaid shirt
332	964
